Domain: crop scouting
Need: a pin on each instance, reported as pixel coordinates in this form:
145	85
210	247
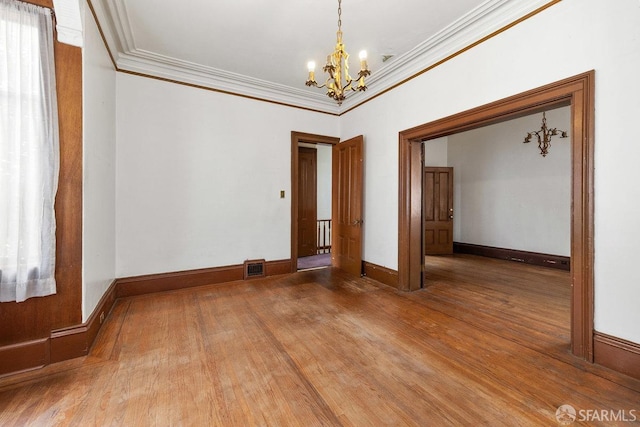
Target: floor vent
254	268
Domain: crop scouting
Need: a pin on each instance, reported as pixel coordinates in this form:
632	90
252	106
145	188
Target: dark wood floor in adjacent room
486	343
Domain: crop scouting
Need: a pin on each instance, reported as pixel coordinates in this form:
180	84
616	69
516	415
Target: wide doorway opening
497	235
576	92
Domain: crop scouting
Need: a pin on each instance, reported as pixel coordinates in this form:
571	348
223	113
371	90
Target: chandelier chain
339	15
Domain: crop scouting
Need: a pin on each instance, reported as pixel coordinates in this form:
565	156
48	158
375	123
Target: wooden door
346	205
307	201
438	211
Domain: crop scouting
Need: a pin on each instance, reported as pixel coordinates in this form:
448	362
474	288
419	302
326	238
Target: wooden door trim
296	139
577	91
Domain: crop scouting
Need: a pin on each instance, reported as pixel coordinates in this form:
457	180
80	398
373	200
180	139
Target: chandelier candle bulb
363	60
312	68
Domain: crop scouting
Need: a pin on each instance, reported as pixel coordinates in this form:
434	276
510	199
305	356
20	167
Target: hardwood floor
486	343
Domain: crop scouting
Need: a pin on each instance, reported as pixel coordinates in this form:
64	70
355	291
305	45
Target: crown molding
482	22
164	67
490	18
69	22
104	19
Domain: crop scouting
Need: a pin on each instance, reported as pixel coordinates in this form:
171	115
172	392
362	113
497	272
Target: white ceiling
260	48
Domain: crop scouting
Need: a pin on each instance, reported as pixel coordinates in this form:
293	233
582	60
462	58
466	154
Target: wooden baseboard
24	356
276	268
534	258
76	341
69	343
381	274
61	344
100	314
617	354
152	283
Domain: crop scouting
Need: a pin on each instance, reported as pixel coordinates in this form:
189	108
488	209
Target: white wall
506	194
98	248
569	38
184	155
324	181
199	175
436	152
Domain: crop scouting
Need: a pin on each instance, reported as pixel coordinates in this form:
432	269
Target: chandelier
338	69
544	136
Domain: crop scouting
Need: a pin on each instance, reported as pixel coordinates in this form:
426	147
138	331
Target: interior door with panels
438	210
347	195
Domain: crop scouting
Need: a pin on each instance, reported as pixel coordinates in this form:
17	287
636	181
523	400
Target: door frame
296	139
578	92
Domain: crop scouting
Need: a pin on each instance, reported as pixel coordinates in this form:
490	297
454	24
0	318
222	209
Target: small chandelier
338	69
544	136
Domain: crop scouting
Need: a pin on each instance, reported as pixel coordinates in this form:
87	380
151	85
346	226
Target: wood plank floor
486	343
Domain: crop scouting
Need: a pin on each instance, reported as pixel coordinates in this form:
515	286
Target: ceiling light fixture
338	69
544	136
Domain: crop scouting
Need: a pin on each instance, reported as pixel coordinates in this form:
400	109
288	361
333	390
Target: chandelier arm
348	82
356	88
323	85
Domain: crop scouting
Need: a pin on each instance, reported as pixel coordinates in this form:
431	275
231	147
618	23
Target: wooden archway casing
577	91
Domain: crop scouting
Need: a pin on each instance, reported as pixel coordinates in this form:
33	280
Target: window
29	152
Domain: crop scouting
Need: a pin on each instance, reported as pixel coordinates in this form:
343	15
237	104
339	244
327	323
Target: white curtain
29	152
